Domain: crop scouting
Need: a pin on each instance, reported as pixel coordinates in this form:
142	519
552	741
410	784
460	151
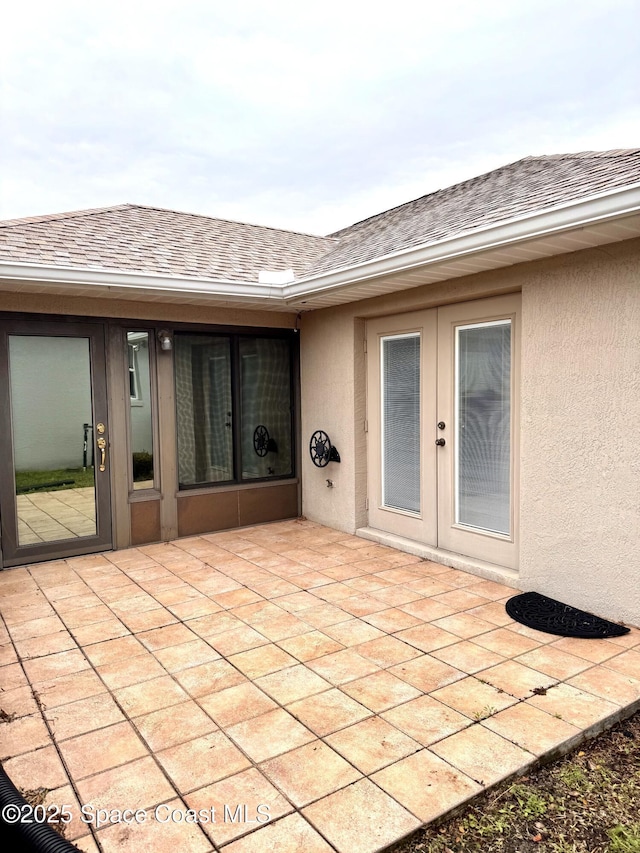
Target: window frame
235	335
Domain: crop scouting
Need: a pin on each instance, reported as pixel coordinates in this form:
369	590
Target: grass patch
28	481
586	802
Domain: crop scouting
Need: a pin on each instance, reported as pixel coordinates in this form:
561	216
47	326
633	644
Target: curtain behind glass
265	381
204	408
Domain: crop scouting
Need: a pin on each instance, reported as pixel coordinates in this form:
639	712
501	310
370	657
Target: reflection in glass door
54	452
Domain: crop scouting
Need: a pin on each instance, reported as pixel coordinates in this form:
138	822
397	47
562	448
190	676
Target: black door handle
440	442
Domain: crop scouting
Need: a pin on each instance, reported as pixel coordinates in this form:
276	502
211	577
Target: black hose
26	837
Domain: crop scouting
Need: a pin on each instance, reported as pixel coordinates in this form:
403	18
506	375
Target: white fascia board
73	276
603	207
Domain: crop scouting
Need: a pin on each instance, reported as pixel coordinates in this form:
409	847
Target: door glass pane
265	381
401	422
140	409
51	411
483	426
204	410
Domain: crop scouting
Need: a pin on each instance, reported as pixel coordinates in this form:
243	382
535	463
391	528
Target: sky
302	116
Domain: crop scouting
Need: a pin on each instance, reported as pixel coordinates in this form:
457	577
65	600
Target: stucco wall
580	404
580	460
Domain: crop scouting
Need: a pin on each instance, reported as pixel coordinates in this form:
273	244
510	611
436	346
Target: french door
54	441
443	427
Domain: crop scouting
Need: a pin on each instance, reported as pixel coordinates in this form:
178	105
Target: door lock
440	442
441	425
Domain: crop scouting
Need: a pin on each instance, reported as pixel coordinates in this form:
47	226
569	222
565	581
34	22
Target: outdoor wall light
164	336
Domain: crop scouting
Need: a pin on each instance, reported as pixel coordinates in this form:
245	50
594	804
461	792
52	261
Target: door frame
435	524
14	554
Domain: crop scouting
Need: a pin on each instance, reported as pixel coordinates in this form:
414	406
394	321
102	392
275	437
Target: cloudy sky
308	116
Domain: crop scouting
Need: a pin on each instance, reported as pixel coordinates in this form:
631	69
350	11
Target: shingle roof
528	185
135	238
142	239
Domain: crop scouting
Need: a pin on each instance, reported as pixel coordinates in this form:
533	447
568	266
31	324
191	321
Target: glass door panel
52	455
54	442
483	426
400	391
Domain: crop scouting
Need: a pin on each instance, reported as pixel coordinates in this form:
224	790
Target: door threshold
489	571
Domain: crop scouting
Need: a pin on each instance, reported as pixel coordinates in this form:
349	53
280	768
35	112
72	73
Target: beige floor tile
295	682
40	768
427	609
201	761
65	796
22	735
342	667
380	691
62	641
194	653
270	734
236	704
362	605
100	750
427	637
516	679
483	755
55	665
171	726
87	616
150	696
554	662
297	601
164	835
329	711
627	641
68	688
209	677
430	585
324	614
85	715
216	623
608	684
531	728
595	651
352	632
474	698
162	638
426	720
148	619
19	702
395	596
121	648
289	835
135	670
246	791
282	626
493	612
372	744
237	640
109	629
441	787
575	706
193	608
360	818
426	673
138	785
392	620
505	642
464	625
36	628
467	656
313	644
310	772
262	661
627	663
386	651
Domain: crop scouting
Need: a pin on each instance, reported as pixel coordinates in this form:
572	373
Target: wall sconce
166	343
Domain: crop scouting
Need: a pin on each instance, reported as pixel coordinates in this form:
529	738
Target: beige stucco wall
580	406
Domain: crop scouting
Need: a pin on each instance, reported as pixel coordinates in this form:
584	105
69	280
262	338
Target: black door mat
546	614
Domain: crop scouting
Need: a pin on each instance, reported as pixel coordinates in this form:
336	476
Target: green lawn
27	481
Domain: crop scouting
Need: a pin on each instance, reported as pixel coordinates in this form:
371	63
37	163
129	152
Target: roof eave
572	216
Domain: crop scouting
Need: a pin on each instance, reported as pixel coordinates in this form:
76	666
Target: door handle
102	447
440	442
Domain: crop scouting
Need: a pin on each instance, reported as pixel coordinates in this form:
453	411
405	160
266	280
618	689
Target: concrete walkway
347	692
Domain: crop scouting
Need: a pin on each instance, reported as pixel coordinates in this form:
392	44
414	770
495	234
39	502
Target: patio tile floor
356	691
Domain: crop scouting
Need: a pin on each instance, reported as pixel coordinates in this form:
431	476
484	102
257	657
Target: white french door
443	427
